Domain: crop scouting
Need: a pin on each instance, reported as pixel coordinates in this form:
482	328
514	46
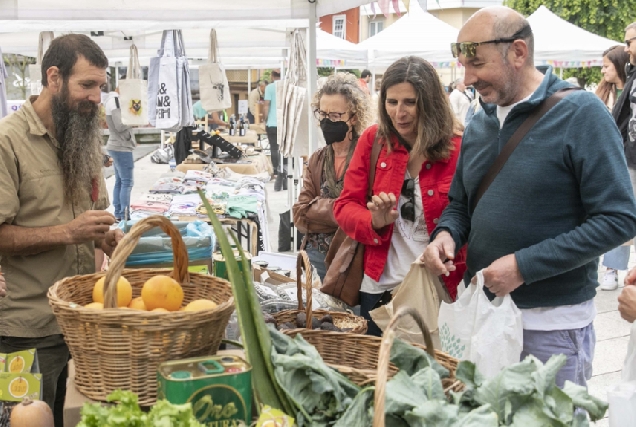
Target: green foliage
325	71
607	18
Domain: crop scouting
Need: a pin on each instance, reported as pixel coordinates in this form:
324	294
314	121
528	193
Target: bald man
562	199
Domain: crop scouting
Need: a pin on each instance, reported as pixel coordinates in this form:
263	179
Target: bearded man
52	195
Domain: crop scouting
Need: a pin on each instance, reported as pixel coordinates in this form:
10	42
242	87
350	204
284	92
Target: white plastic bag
489	334
622	397
133	93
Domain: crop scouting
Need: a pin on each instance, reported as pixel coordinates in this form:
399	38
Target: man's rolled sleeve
9	183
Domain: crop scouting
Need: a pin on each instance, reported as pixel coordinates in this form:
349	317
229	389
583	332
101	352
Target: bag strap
545	106
375	154
213	51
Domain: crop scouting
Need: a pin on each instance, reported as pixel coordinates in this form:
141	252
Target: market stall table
255	164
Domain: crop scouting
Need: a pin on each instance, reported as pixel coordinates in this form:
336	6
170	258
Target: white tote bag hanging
35	70
183	74
488	333
163	86
214	89
133	93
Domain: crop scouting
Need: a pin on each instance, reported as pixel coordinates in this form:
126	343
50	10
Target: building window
340	26
375	27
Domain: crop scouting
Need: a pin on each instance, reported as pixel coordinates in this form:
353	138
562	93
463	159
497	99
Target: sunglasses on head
407	211
469	49
629	41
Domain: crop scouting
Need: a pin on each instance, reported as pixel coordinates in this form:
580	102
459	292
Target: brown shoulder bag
345	258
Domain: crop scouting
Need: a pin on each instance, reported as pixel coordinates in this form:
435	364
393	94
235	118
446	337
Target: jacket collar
549	85
630	69
36	127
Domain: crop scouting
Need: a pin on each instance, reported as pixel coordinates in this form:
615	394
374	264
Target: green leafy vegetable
582	399
322	394
412	359
126	413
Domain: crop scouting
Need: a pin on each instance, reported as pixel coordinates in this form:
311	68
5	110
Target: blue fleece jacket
562	199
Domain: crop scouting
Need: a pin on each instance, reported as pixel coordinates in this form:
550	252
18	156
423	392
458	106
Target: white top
407	243
552	318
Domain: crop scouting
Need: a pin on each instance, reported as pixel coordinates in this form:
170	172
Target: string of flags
571	64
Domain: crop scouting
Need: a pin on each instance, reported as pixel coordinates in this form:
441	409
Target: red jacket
352	215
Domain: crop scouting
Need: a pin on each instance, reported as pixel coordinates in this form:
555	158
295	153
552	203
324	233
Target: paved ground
612	332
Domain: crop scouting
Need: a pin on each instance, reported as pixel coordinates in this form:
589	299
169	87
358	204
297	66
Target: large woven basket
121	349
340	319
356	356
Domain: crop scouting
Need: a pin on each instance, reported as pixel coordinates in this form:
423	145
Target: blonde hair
346	84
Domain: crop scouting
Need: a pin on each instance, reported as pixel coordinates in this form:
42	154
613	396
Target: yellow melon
95	305
200	304
124	292
137	304
162	292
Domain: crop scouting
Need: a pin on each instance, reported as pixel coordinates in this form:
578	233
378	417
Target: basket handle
303	263
128	243
385	356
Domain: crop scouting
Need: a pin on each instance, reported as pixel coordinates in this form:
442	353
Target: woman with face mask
343	111
413	174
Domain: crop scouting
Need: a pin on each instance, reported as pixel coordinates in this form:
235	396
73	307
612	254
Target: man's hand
630	279
503	276
439	254
3	286
627	303
383	212
91	225
111	240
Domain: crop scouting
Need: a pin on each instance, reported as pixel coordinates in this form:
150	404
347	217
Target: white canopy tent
564	45
249	47
256	29
416	33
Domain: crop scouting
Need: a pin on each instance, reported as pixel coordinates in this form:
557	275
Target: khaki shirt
32	195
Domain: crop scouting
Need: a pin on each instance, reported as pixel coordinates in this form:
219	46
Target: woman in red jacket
413	175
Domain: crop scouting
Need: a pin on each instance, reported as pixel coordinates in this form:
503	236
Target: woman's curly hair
346	84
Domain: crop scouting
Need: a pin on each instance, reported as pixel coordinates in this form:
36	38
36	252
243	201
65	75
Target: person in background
271	127
255	97
121	144
539	230
343	111
53	197
474	108
413	174
216	119
365	80
460	100
609	90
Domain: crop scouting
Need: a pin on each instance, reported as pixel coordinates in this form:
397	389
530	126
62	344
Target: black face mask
333	131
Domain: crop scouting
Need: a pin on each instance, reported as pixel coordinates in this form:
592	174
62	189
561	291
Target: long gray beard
80	153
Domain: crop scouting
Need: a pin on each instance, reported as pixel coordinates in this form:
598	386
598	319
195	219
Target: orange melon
162	292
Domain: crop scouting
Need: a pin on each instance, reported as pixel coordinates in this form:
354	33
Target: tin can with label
218	387
220	266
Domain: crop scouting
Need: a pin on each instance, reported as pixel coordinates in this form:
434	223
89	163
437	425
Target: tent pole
312	76
249	81
561	73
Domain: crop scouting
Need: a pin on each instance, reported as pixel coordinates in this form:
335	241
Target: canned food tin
220	266
218	387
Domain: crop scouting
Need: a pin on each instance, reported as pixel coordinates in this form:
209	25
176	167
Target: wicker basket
384	368
340	319
356	356
121	349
